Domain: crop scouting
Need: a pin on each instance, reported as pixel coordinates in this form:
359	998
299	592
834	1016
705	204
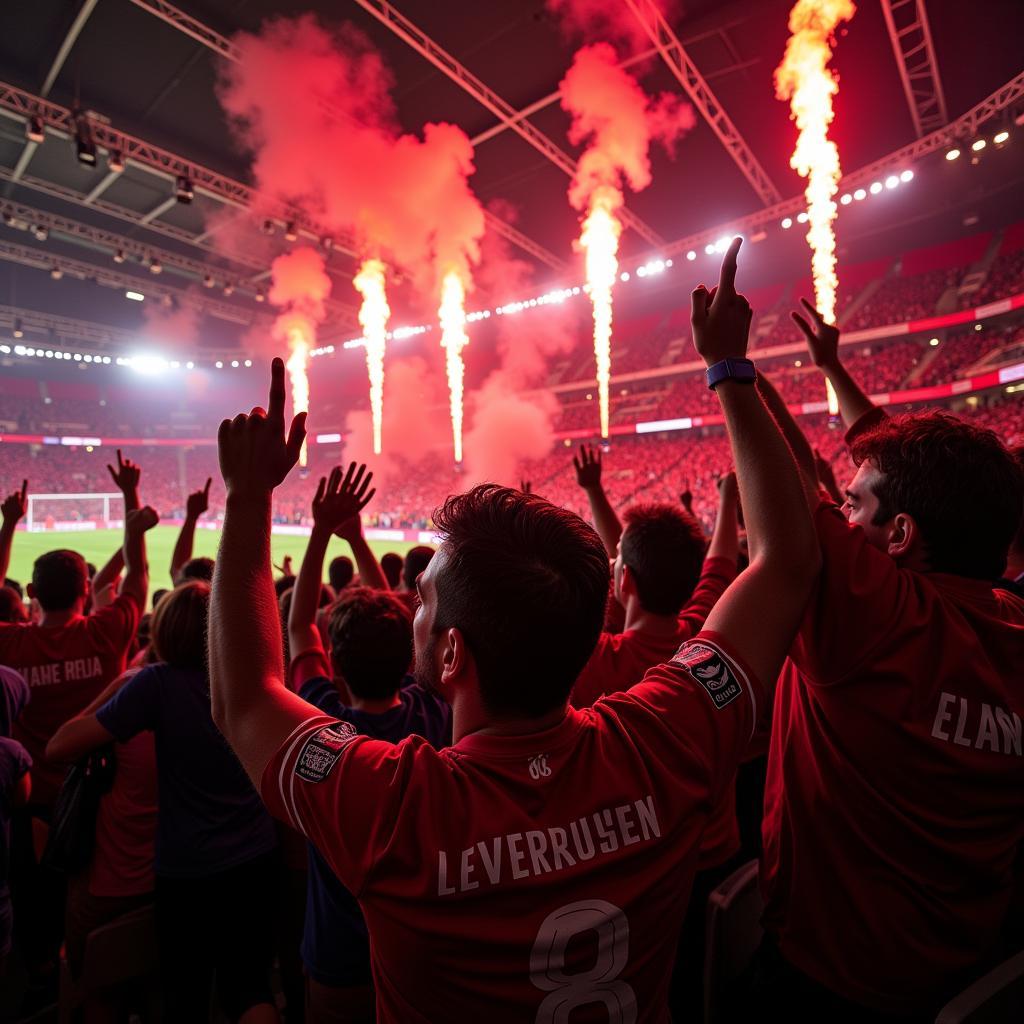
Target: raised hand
727	488
139	520
588	466
198	501
720	318
822	338
686	499
126	476
255	455
15	505
526	486
338	500
285	568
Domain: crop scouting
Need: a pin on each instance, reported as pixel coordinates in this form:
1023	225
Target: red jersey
527	877
894	806
65	668
621	659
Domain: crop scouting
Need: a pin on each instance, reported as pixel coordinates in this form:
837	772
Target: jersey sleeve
870	419
343	791
715	577
310	664
860	598
117	624
134	708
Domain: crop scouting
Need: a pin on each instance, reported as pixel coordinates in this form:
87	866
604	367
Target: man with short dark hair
340	573
894	807
391	563
416	561
526	872
363	680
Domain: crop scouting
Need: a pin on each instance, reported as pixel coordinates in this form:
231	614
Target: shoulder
14	760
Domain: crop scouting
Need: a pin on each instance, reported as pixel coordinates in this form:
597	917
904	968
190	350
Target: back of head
416	561
179	626
340	572
15	586
283	584
12	608
59	579
663	546
371	641
959	482
157	594
391	565
197	569
525	582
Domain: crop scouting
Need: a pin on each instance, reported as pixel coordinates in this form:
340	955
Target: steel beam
158	211
65	47
911	40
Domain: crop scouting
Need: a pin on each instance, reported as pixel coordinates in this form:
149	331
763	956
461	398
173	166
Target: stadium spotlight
208	281
1000	137
135	296
787	222
85	147
933	342
691	255
952	154
977	327
219	365
801	217
18	331
119	256
268	227
892	181
290	233
641	271
709	249
229	288
859	194
8	218
147	365
234	363
876	187
56	273
327	242
115	161
190	365
155	266
248	362
184	191
34	130
907	175
978	145
846	199
41	231
624	276
260	296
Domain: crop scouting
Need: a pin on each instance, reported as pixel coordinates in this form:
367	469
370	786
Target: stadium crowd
502	779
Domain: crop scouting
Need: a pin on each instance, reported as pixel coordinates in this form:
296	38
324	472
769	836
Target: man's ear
627	584
904	536
455	657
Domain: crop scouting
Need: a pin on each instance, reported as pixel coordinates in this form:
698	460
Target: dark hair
525	582
371	641
157	594
416	561
663	547
179	624
15	586
12	608
197	569
1017	544
283	584
59	579
391	563
958	481
340	572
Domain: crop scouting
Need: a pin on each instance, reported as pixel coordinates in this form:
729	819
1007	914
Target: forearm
798	443
370	572
109	572
725	541
302	631
775	508
183	546
136	569
131	499
853	402
606	522
6	543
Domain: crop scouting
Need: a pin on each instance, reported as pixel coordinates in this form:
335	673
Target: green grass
97	546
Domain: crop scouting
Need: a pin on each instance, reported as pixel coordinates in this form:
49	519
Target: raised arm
760	612
336	504
798	443
105	580
126	477
823	344
370	572
588	476
725	541
12	509
250	703
136	568
195	505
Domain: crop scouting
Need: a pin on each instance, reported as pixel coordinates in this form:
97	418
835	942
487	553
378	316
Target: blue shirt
335	945
14	762
14	695
209	816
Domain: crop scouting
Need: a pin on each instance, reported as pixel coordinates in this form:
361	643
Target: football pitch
97	546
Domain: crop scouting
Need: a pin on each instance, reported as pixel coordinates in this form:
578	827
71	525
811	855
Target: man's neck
483	725
642	621
61	618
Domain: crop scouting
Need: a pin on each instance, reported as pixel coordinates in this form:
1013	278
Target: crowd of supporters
501	780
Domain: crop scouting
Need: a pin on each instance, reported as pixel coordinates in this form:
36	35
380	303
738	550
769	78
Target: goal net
74	512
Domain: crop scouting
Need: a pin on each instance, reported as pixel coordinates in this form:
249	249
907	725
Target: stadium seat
996	998
733	934
124	950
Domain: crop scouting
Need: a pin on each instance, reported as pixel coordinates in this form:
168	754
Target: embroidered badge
322	750
711	670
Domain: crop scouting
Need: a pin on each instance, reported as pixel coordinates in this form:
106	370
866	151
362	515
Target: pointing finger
727	277
275	407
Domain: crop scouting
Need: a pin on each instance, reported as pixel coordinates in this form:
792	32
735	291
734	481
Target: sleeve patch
321	751
712	671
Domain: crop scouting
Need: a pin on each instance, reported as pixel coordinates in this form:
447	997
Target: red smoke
175	327
617	119
606	19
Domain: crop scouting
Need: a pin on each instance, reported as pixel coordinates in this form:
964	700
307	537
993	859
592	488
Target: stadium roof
145	71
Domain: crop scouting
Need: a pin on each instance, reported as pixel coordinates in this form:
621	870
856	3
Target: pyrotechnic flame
599	240
373	317
805	80
452	314
296	366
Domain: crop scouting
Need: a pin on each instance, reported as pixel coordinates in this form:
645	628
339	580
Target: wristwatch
741	370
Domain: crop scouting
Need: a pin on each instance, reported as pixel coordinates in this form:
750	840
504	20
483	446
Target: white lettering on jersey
75	670
504	858
978	725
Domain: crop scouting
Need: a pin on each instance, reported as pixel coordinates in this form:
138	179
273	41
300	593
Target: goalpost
67	512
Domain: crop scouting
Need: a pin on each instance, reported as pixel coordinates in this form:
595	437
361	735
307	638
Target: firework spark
454	339
373	317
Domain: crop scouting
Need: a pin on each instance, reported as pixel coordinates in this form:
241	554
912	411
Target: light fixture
115	161
56	273
859	194
134	296
952	154
709	249
933	342
268	227
846	199
18	332
41	231
802	217
155	267
906	176
229	288
208	281
892	181
234	363
327	242
85	147
184	192
290	232
978	145
190	365
876	187
787	222
260	295
1000	137
219	365
248	362
119	256
691	255
34	130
